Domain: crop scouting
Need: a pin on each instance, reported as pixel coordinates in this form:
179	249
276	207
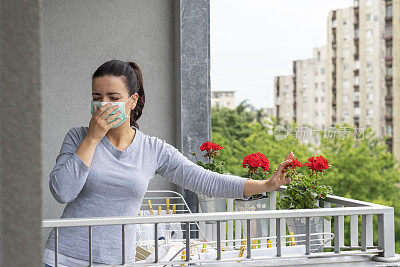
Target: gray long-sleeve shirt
115	184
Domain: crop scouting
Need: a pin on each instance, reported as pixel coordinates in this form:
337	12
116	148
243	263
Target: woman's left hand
278	178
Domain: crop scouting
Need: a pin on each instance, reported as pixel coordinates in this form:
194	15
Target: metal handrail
353	208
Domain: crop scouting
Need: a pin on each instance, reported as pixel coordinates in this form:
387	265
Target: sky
252	41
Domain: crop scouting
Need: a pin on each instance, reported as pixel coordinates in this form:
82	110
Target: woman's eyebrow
107	93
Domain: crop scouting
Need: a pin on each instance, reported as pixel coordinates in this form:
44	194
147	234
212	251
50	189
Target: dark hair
133	80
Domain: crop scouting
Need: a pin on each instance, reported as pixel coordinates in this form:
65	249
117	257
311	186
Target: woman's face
113	89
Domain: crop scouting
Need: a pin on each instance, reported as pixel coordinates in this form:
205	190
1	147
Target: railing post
229	224
90	246
272	206
248	240
308	235
278	238
155	242
327	226
218	240
364	233
123	244
187	241
56	247
337	234
386	234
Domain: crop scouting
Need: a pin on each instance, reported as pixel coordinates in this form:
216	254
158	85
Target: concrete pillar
20	110
195	80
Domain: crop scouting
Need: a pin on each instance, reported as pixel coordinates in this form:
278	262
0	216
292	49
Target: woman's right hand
98	125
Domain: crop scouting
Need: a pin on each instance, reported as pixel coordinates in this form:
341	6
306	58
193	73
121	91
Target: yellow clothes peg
150	207
292	240
183	256
167	206
254	246
204	249
174	209
159	210
269	243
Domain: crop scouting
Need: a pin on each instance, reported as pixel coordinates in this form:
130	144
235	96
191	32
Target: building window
369	49
370	97
357	64
389	130
304	100
319	56
345	67
316	113
369	16
369	66
322	71
345	113
323	113
286	87
304	87
369	33
345	53
389	11
346	37
369	112
316	86
322	99
346	98
323	87
369	3
345	22
305	115
304	73
346	83
369	81
316	99
357	96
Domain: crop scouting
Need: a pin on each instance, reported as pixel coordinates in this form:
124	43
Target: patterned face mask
121	106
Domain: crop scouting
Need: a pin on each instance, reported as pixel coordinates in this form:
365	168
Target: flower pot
259	227
298	226
208	204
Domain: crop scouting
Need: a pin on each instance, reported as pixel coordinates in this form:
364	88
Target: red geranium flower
255	160
317	164
207	146
294	164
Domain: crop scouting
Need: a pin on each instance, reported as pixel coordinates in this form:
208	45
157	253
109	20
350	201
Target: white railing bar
222	216
327	223
341	226
354	230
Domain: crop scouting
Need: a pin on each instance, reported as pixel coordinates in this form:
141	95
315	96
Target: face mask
121	106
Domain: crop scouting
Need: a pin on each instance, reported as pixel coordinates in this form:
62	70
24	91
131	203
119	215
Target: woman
103	170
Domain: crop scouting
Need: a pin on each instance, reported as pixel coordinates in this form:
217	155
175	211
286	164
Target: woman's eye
114	98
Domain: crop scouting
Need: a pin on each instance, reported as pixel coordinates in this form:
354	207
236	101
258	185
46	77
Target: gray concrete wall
21	123
77	37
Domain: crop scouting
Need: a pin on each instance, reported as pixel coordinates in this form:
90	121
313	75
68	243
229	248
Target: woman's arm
70	171
178	169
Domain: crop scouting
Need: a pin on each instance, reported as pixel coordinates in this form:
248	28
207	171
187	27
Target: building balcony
356	72
388	78
388	37
356	104
356	88
208	241
356	40
334	103
389	141
388	61
356	118
356	56
388	18
388	118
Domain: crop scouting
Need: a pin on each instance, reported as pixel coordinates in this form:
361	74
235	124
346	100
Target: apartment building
220	99
284	99
310	90
392	77
356	65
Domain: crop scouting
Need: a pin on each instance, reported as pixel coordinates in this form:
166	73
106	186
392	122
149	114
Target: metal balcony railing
242	248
